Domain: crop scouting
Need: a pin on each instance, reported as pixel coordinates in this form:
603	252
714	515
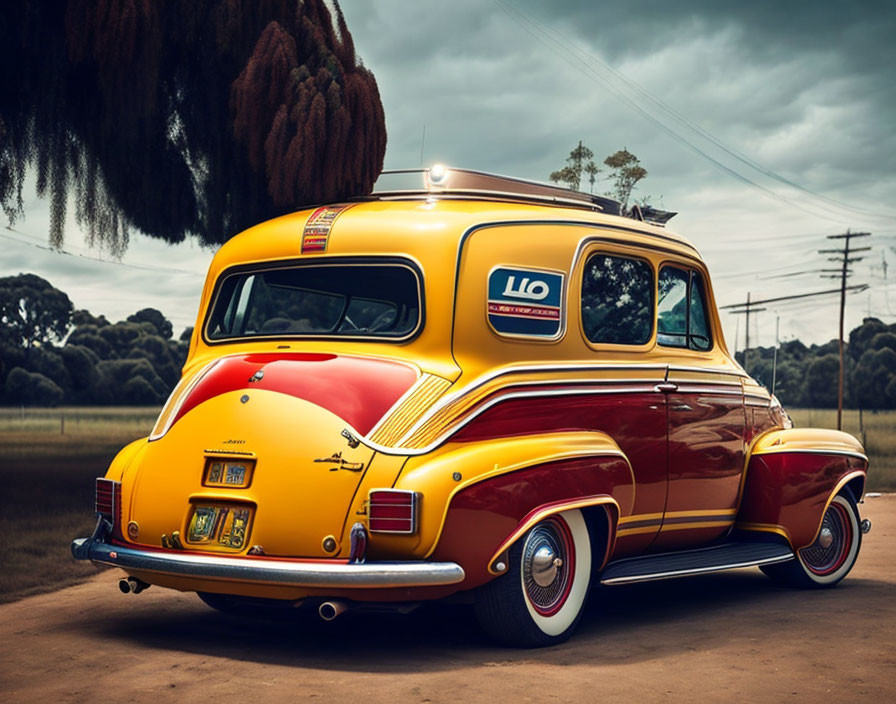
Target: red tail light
108	500
392	511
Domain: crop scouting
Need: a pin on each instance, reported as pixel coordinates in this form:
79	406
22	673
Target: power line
561	46
857	288
53	250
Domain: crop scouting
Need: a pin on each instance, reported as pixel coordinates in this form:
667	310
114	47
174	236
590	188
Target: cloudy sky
766	125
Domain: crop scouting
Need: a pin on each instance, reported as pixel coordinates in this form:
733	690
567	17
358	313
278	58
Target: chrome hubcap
544	571
545	576
832	545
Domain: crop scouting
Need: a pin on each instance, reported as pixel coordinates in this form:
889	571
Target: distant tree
579	162
32	311
28	389
860	338
159	322
884	339
84	317
873	375
48	361
626	172
179	118
80	363
821	381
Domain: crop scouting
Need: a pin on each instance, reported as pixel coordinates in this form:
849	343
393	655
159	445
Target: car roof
416	220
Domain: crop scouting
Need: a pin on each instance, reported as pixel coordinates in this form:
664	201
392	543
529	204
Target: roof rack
463	183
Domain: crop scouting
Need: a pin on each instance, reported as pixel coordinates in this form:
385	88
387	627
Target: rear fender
509	484
793	475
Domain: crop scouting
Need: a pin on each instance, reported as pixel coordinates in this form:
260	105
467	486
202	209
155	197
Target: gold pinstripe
400	419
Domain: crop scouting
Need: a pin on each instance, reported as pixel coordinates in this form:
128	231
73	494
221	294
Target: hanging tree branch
182	117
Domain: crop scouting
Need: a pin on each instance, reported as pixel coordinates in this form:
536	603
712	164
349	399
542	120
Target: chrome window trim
596	345
319	261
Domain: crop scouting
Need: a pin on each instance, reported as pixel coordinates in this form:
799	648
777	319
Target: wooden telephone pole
751	307
843	275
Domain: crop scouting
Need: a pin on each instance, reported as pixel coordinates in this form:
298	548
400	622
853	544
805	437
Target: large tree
178	117
32	311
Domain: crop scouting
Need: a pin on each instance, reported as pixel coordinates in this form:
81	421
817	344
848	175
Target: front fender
480	497
792	476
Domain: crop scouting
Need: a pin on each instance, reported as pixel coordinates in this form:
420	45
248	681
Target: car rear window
342	300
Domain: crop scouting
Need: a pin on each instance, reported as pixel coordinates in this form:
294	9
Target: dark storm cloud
798	84
806	89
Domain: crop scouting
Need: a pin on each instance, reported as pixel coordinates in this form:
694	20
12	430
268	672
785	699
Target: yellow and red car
472	385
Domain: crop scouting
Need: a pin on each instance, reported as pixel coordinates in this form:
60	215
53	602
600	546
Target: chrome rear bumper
322	573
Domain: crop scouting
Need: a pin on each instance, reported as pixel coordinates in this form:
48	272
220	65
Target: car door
706	417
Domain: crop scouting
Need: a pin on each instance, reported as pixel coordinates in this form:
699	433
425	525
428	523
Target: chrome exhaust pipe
132	585
331	609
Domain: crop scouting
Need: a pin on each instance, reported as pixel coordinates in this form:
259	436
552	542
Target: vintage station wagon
471	386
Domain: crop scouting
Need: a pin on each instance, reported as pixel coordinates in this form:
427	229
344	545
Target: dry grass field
50	457
48	461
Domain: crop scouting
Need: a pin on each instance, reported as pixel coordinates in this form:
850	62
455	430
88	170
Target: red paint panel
635	420
706	461
482	516
360	391
791	489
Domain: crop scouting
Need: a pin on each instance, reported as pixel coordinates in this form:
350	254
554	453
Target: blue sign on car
525	302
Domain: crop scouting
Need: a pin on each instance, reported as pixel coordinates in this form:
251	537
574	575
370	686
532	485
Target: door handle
666	387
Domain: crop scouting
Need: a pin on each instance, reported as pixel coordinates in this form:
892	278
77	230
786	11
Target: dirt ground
732	637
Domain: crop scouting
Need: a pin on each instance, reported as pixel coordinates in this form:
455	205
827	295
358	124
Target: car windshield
346	300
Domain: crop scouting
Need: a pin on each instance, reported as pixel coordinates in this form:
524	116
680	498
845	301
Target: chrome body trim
449	398
808	451
317	574
482	380
696	570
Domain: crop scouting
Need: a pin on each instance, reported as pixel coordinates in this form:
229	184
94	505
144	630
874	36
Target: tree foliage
579	162
625	172
32	311
179	117
808	376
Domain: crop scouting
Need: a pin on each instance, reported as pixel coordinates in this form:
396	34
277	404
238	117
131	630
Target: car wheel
539	600
828	560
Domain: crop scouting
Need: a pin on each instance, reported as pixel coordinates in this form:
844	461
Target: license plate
227	526
229	473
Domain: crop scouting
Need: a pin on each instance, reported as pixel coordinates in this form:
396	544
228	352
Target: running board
741	553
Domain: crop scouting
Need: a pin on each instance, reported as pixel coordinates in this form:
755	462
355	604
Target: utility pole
750	306
777	344
844	273
746	309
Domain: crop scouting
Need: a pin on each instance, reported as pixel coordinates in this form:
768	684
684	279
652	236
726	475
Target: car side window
681	310
617	300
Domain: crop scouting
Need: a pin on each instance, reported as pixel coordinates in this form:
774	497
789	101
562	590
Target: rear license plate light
392	511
